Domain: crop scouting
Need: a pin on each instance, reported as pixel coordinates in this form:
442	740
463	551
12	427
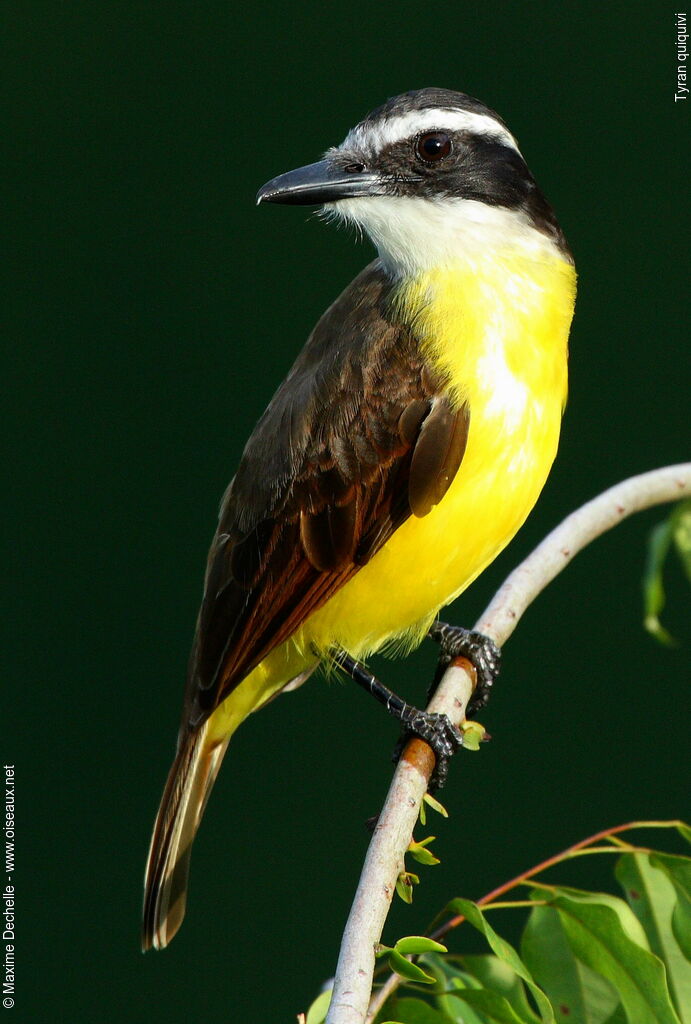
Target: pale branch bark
394	829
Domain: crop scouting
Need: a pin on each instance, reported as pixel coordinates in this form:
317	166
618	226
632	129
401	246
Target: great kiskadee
402	452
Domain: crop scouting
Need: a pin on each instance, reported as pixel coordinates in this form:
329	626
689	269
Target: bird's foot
434	729
439	733
481	652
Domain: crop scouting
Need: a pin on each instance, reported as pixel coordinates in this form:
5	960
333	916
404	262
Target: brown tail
184	798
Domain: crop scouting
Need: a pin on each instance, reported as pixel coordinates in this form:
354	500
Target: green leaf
494	974
631	925
449	967
674	531
653	898
678	871
450	978
618	1017
505	952
409	970
319	1008
659	542
596	936
404	885
414	1011
418	944
684	831
682	535
435	805
681	926
574	990
420	853
473	735
492	1007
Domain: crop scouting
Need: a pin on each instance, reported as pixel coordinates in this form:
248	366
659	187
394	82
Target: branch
393	832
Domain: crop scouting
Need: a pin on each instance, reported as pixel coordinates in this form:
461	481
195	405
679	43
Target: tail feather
187	790
189	783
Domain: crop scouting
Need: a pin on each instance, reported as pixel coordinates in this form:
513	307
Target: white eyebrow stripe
404	126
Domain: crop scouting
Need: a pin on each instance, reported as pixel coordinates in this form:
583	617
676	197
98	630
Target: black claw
435	729
480	650
439	733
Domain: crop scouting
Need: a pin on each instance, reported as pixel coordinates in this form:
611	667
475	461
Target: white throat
414	235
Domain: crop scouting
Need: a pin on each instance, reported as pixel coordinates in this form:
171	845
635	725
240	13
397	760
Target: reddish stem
550	862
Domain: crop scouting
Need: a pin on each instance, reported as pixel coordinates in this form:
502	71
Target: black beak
319	183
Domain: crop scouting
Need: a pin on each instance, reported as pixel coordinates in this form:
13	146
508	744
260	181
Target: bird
402	452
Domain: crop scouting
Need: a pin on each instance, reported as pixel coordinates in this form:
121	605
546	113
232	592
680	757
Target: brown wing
359	436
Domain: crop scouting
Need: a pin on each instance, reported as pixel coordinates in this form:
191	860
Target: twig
580	848
385	856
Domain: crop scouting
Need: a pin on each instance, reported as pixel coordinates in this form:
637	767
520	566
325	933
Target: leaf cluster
583	957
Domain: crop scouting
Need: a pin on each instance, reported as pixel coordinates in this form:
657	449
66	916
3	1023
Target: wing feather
361	435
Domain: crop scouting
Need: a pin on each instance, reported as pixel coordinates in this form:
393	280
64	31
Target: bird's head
429	175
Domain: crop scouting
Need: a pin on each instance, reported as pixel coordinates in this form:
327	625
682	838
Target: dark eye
433	146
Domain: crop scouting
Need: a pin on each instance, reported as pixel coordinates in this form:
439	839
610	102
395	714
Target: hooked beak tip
316	184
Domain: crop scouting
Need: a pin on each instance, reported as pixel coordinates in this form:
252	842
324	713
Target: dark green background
153	309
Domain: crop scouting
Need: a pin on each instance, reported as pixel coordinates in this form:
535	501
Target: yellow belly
499	330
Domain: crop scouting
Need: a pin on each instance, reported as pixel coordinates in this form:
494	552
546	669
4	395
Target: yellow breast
499	330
